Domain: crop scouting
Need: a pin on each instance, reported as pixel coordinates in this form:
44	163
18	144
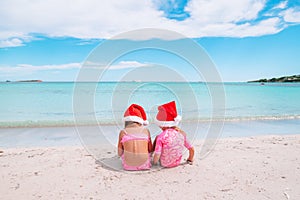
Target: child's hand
190	162
154	163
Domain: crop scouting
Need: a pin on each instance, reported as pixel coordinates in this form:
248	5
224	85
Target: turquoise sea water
52	104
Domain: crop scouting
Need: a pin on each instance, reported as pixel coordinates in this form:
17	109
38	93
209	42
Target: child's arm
120	146
150	150
156	159
191	155
157	150
189	147
154	144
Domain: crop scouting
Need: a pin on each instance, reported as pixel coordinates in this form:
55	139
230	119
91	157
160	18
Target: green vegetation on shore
294	78
26	81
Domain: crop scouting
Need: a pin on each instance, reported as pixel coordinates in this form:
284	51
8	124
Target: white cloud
103	19
264	27
128	65
223	11
26	68
13	42
148	33
118	66
292	15
281	5
13	38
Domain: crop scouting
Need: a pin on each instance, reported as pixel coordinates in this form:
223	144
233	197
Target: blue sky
246	39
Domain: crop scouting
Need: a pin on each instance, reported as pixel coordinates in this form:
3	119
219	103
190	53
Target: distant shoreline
24	81
283	79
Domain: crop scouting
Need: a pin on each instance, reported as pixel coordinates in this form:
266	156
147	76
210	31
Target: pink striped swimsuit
170	144
129	137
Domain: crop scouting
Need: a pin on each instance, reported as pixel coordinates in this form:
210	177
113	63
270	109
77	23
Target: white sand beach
260	167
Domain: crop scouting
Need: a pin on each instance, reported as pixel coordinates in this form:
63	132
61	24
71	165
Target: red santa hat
135	113
167	115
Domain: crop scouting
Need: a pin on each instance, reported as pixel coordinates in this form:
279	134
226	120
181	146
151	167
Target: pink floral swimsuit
129	137
170	144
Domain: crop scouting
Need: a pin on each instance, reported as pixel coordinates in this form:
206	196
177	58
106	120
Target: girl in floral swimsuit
135	144
169	145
